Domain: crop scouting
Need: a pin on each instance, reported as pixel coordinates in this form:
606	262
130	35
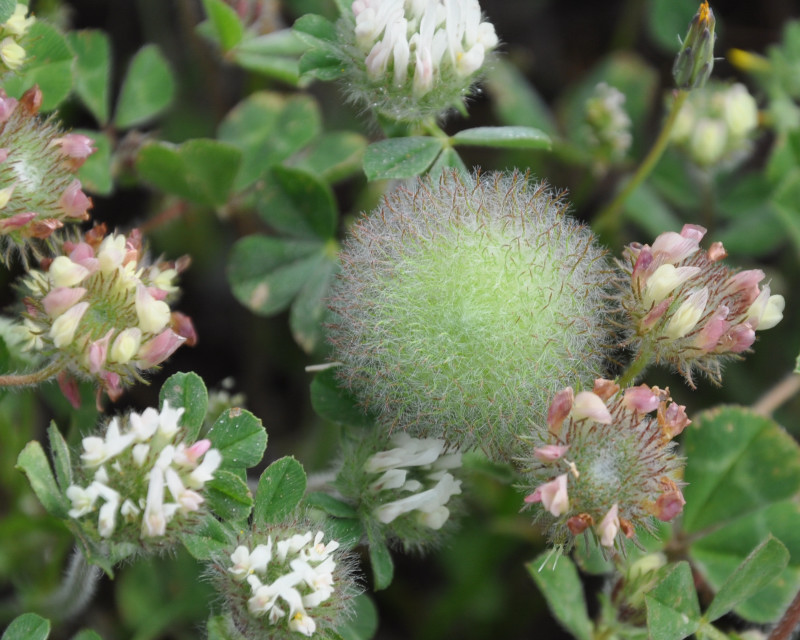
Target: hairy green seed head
464	304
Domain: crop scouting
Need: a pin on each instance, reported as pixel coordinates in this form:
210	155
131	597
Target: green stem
76	590
608	220
635	368
25	379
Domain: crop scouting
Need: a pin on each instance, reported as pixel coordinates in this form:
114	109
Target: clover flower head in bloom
285	582
716	125
607	464
681	304
465	302
101	313
38	190
140	481
12	36
609	126
411	59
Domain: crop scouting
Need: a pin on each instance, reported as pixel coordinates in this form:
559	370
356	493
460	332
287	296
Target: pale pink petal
98	351
159	348
673	419
554	495
713	330
74	201
60	299
559	409
550	452
669	505
590	405
640	399
609	526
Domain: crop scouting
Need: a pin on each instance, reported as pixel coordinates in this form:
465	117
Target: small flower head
608	124
38	191
134	486
464	304
683	305
12	38
614	475
100	309
284	582
413	60
695	60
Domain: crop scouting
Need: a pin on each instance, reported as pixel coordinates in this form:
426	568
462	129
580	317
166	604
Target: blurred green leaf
268	128
673	611
280	489
448	159
92	70
650	212
240	438
95	174
330	505
284	42
199	170
207	541
186	390
279	67
228	497
28	626
322	65
33	462
364	623
668	21
297	203
336	404
61	456
786	202
266	273
48	64
753	235
222	628
400	158
227	27
147	89
515	100
335	156
315	29
7	9
381	559
87	634
760	568
273	54
560	584
503	137
310	307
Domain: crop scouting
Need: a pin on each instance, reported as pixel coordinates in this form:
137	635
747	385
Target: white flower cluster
421	37
304	571
609	123
144	456
430	486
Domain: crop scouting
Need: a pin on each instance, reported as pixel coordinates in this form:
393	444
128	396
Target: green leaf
61	456
398	158
222	628
297	203
33	462
447	160
738	462
335	156
762	566
186	390
95	174
364	623
673	611
207	541
148	88
274	54
266	273
48	64
268	128
228	496
87	634
28	626
515	100
315	29
7	9
240	438
330	505
310	308
381	559
280	489
503	137
321	64
279	67
199	170
336	404
561	586
92	70
349	532
668	21
284	42
228	29
646	208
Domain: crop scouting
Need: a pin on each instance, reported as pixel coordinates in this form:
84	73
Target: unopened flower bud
695	60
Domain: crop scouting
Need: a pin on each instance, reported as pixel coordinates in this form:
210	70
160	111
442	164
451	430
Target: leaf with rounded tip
364	623
207	540
148	88
335	156
280	489
186	390
228	497
28	626
92	70
673	611
336	404
561	586
399	158
95	173
227	29
381	559
330	505
240	438
503	137
315	29
33	462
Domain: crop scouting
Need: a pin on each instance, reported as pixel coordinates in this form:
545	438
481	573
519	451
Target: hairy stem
36	377
635	368
608	220
75	591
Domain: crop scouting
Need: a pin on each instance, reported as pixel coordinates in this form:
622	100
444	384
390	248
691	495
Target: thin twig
775	397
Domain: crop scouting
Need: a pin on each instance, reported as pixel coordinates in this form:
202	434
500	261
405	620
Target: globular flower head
13	34
411	60
101	311
402	486
681	304
463	304
716	125
285	581
695	60
139	481
616	468
38	190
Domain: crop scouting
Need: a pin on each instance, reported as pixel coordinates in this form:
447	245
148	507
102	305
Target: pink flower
713	330
559	409
159	348
75	145
739	338
552	495
98	350
640	399
74	201
550	452
673	419
7	106
61	299
669	505
605	389
17	221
